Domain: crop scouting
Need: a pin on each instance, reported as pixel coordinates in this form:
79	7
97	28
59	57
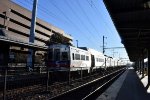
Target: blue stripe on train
59	64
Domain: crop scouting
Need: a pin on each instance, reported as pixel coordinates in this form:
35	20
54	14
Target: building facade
16	22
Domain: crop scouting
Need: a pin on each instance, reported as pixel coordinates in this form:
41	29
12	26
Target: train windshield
50	54
64	56
57	54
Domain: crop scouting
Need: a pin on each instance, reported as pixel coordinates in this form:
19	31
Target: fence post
5	84
81	74
69	77
47	80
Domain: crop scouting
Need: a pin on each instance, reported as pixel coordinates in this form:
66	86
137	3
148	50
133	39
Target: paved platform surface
112	92
127	87
132	88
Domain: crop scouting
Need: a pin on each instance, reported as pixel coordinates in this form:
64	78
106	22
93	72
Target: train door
92	61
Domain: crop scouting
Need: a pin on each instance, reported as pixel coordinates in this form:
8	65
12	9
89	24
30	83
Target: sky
85	20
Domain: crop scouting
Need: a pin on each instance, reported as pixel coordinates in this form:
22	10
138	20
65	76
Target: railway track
90	90
102	88
55	90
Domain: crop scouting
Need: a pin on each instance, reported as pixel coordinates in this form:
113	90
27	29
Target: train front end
58	57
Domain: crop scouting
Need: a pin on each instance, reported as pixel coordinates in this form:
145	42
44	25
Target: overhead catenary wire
88	19
82	22
93	6
68	18
44	10
47	12
87	38
52	3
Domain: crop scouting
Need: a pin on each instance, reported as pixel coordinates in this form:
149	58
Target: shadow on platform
132	88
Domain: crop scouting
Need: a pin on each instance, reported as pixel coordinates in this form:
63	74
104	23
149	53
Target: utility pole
30	59
104	44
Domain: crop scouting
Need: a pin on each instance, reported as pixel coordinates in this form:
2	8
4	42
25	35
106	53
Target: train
66	57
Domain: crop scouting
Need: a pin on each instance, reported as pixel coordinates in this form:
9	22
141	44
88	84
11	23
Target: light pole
77	43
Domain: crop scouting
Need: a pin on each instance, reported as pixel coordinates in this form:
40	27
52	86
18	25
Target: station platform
129	86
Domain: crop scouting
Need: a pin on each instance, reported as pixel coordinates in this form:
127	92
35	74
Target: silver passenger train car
66	57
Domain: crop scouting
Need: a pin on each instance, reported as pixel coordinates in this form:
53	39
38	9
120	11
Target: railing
16	75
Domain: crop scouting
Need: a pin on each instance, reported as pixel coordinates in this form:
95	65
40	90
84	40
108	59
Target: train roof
84	48
92	51
61	45
66	46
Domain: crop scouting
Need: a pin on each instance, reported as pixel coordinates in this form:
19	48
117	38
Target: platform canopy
132	21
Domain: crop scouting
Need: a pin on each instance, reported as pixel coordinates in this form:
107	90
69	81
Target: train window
97	60
77	56
82	57
50	54
64	56
87	58
73	56
101	60
57	54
